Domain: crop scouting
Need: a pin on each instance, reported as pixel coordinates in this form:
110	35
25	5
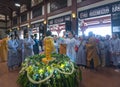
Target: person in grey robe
12	53
71	42
20	50
28	46
81	54
101	47
107	51
115	51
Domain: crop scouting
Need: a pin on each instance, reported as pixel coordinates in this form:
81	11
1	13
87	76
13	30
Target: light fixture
28	25
73	15
17	4
45	22
10	30
18	28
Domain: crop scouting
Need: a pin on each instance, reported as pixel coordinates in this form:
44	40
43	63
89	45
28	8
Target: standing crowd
86	51
16	50
90	51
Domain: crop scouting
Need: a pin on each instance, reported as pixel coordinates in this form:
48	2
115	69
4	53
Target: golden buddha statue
48	47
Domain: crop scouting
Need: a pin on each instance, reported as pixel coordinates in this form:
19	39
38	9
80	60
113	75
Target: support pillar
29	19
45	16
6	21
74	16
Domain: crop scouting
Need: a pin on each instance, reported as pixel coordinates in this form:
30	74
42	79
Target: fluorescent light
17	4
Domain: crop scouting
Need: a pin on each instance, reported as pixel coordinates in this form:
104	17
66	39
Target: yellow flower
48	68
29	69
40	71
62	66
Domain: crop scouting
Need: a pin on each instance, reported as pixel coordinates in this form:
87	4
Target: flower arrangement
60	72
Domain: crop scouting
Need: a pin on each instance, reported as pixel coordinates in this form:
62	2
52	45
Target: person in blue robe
20	50
12	53
36	45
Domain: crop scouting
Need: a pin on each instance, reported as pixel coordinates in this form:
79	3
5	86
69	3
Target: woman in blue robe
12	53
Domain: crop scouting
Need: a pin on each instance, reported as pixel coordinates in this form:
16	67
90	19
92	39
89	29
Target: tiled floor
106	77
7	79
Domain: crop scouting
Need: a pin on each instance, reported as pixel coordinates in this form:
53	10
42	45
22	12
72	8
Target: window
15	21
24	18
37	12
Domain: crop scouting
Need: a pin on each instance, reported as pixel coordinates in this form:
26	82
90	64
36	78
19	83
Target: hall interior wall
81	5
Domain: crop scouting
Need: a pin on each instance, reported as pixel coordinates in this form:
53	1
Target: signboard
101	10
38	24
59	20
116	7
115	18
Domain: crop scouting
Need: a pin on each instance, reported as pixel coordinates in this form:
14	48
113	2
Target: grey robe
20	50
115	48
107	52
71	49
28	47
81	54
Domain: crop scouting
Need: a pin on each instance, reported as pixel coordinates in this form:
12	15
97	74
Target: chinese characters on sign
84	14
116	7
99	11
102	10
59	20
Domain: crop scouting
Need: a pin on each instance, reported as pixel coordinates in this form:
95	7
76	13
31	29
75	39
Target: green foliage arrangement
58	73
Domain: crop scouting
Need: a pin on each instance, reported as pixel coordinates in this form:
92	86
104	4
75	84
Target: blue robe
56	46
20	50
12	53
36	47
